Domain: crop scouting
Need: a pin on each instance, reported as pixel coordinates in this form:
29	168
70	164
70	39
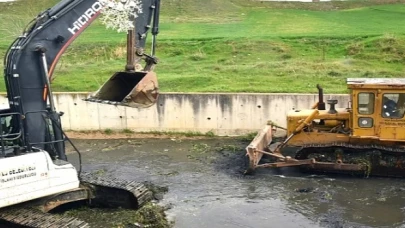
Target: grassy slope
241	45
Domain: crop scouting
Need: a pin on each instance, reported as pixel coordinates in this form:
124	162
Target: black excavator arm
31	59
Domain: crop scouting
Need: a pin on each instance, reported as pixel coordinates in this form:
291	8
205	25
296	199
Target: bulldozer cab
378	108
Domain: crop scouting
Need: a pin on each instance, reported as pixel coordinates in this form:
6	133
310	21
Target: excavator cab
10	131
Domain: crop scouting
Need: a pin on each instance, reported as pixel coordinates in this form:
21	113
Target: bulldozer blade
131	89
257	145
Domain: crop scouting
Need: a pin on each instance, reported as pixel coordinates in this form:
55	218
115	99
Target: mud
206	188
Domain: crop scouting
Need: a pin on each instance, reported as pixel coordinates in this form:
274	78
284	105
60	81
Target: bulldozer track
105	191
23	216
377	160
300	153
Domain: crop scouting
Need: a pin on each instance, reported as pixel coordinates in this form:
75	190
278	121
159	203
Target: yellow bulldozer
366	137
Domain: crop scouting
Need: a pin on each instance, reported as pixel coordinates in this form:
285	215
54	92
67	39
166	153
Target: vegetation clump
150	215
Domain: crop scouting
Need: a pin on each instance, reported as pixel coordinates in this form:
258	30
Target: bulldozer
364	137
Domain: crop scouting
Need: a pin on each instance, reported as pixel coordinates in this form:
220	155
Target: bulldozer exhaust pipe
321	104
131	88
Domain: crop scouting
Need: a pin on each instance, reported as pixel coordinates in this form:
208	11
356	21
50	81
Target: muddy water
207	190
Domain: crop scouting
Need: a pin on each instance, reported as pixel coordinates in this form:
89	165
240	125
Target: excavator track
114	192
102	191
23	216
377	160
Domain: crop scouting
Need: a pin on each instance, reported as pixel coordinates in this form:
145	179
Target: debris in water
282	176
305	190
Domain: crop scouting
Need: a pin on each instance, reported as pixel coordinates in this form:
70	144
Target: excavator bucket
133	89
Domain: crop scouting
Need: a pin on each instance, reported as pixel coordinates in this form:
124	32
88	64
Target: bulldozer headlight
365	122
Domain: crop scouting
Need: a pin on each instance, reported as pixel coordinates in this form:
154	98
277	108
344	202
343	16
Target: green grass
108	131
240	45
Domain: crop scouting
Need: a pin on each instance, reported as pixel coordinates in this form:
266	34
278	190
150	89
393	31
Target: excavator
35	174
365	137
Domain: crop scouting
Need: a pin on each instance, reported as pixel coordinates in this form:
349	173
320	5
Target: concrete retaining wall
223	114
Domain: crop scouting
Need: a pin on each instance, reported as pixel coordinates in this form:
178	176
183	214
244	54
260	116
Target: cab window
393	105
366	103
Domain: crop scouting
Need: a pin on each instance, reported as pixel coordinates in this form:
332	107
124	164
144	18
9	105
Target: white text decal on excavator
17	173
88	14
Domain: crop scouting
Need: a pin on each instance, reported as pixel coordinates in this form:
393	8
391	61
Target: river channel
206	188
